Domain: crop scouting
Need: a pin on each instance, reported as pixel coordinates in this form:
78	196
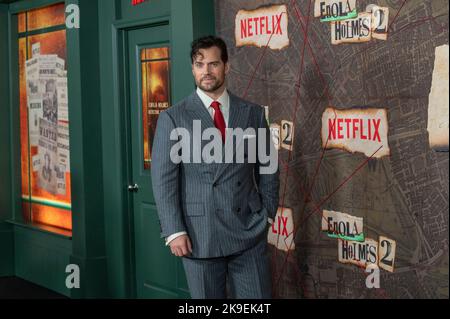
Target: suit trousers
248	274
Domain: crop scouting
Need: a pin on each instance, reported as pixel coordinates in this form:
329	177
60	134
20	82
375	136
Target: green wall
86	160
42	257
102	242
6	235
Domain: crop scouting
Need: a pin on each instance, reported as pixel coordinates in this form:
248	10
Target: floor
16	288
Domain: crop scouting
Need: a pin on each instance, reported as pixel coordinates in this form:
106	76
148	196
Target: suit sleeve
165	179
268	183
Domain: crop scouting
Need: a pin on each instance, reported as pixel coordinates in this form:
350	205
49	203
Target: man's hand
181	246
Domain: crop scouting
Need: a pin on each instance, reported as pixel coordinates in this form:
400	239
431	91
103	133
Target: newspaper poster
36	163
41	78
438	102
62	99
32	70
34	114
60	171
50	66
63	145
48	117
34	99
265	26
49	103
47	151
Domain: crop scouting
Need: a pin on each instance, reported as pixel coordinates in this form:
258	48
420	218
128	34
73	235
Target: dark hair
208	42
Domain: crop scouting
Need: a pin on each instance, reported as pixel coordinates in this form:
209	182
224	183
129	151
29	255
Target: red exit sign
136	2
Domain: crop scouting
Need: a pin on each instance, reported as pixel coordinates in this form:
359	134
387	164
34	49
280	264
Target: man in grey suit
214	213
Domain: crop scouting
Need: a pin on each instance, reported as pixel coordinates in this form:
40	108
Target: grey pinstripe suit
223	207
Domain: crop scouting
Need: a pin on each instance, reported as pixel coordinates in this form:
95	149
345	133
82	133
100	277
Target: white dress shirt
224	101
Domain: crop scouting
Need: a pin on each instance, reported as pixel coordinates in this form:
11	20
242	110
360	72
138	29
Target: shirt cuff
270	220
173	236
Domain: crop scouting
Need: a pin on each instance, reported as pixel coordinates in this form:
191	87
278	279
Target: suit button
239	184
215	185
238	209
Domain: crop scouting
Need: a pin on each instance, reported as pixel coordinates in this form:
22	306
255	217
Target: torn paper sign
379	19
281	234
287	135
358	253
352	30
343	226
62	99
356	130
334	9
257	27
438	125
275	132
386	252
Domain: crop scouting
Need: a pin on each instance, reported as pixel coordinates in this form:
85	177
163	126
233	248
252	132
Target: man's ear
227	67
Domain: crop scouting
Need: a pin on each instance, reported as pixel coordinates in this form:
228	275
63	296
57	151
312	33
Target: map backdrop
402	196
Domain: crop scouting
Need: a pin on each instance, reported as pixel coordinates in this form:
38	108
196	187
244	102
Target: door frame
122	100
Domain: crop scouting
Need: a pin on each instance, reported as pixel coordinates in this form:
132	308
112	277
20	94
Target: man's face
209	70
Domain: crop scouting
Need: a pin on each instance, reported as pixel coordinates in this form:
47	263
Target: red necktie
219	121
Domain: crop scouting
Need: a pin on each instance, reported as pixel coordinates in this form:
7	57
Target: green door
158	274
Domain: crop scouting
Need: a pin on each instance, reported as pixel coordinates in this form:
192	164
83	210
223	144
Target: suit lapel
199	112
238	113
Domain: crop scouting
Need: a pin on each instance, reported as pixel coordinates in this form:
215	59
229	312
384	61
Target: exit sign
136	2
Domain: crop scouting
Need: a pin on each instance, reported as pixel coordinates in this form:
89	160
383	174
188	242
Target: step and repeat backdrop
356	96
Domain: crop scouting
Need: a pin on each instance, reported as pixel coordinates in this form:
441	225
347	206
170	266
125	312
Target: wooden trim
42	31
20	6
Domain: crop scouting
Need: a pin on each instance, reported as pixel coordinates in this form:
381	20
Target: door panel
158	273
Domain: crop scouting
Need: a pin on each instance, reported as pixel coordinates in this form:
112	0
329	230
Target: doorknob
133	188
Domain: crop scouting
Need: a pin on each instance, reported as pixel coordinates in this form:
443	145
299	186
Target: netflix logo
266	26
356	130
364	129
261	26
281	233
